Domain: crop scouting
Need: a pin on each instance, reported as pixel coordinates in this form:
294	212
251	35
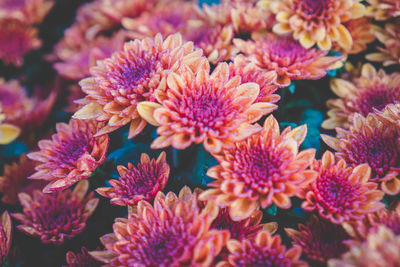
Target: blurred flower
316	22
200	108
265	250
138	183
17	39
8	132
56	217
375	143
288	58
390	38
381	249
82	259
341	193
5	236
384	9
373	90
28	11
320	240
131	76
172	232
72	154
15	180
263	169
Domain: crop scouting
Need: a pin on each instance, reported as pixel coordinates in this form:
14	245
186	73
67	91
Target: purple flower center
257	256
70	151
224	222
377	98
311	8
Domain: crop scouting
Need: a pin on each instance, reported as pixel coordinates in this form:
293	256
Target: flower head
373	90
81	259
138	183
8	132
263	169
288	58
318	22
131	76
341	193
384	9
320	240
172	232
5	235
371	141
71	155
265	250
200	108
29	11
56	217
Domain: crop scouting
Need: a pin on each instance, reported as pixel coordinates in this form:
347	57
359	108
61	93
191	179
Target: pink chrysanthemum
384	9
320	240
371	141
56	217
5	236
81	259
266	168
138	183
71	155
200	108
265	250
172	232
131	76
288	58
373	90
28	11
341	193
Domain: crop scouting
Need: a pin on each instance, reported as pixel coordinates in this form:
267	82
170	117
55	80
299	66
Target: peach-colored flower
384	9
264	250
5	236
16	40
81	259
288	58
318	22
171	232
56	217
341	193
138	183
28	11
215	109
263	169
131	76
373	90
72	154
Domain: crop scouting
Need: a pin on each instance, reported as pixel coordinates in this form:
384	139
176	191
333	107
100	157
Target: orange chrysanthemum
265	250
172	232
5	236
56	217
15	180
318	22
16	40
384	9
371	91
131	76
390	38
381	249
341	193
71	155
288	58
320	239
81	259
200	108
266	168
138	183
371	141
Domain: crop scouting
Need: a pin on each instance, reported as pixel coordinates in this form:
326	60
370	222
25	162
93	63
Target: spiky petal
5	236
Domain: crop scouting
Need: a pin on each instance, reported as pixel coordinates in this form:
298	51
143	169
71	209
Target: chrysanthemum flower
172	232
320	240
316	21
390	38
29	11
373	90
16	40
266	168
265	250
71	155
56	217
375	143
384	9
288	58
138	183
131	76
8	132
5	236
249	72
15	180
81	259
381	249
200	108
341	193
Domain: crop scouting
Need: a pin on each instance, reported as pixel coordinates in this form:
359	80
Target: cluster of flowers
208	75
